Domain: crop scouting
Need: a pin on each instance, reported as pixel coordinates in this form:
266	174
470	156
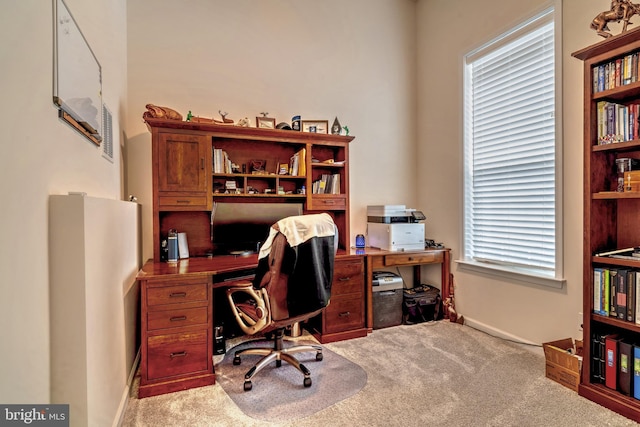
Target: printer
395	228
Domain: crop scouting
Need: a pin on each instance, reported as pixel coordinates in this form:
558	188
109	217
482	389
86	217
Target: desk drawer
327	203
182	201
348	277
413	258
176	318
344	314
177	294
177	354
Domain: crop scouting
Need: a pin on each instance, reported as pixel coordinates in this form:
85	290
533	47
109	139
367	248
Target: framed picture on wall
315	126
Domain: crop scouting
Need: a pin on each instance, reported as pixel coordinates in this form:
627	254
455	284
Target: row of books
620	72
617	122
615	292
221	161
327	184
615	362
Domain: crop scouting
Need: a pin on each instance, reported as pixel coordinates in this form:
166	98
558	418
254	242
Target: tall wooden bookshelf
611	218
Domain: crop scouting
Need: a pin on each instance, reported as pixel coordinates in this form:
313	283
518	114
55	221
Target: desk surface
229	263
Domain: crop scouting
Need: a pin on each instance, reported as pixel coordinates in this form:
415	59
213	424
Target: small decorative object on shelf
189	116
315	126
257	166
224	117
265	122
158	112
621	10
335	127
295	123
346	129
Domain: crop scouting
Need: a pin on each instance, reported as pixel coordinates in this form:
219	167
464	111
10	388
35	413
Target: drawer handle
345	314
202	163
178	354
177	294
178	318
344	279
183	201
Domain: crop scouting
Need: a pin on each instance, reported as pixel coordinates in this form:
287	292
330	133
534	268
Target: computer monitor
242	227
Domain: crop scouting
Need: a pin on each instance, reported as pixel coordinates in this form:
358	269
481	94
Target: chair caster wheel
307	382
319	356
278	363
248	386
236	360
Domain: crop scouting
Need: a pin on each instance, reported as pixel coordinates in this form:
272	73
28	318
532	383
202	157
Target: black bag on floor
421	304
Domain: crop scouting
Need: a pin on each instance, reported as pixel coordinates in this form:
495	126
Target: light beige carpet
430	374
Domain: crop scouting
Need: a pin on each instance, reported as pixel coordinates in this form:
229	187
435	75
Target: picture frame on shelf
315	126
265	122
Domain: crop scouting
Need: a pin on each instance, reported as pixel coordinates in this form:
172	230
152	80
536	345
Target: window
511	152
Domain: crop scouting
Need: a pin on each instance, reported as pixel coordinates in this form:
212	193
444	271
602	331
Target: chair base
277	353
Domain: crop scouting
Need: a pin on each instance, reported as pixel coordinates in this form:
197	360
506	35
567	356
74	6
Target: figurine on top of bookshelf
244	122
346	129
621	10
158	112
335	127
224	117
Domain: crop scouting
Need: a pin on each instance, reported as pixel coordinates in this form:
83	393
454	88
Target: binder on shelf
597	362
636	372
625	367
611	360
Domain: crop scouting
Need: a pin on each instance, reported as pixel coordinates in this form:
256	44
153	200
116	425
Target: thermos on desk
172	243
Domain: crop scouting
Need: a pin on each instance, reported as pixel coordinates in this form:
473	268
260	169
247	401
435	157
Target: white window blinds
510	215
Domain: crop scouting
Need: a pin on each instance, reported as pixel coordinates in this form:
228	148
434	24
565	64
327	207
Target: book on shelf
621	293
297	163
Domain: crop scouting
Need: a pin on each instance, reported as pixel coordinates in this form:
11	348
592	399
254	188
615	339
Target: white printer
395	228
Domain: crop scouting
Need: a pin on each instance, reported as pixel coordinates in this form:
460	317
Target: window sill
510	273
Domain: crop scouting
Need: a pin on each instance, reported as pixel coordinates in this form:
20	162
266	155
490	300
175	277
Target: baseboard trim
496	332
124	400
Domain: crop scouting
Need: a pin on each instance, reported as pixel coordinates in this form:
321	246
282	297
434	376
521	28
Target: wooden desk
379	259
177	314
177	318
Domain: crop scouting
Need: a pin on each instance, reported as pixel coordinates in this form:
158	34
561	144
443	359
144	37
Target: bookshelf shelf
610	220
612	195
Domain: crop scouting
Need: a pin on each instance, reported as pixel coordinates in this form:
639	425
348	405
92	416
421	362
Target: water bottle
172	243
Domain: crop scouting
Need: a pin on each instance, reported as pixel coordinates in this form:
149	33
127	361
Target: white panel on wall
93	257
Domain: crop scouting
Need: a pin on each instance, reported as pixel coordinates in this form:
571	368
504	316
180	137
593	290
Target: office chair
292	284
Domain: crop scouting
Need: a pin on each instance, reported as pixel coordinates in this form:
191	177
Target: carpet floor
430	374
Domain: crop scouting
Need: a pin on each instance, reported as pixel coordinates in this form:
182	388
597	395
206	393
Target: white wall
320	59
43	156
526	312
